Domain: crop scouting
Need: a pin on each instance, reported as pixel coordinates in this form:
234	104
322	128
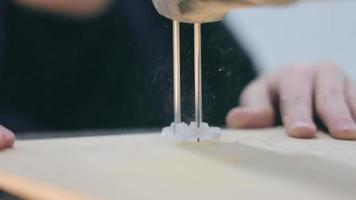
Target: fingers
7	138
296	97
350	93
331	102
351	97
256	109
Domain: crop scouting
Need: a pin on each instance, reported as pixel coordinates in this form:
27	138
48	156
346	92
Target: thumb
7	138
256	110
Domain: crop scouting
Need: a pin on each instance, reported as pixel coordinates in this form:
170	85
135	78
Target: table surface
247	164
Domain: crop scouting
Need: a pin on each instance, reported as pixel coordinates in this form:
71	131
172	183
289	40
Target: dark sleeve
2	31
126	54
226	69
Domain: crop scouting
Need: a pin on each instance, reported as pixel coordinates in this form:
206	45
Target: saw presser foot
184	132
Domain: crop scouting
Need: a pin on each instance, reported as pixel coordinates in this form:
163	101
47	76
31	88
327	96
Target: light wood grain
254	164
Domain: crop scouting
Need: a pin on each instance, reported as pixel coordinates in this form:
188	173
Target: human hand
7	138
296	94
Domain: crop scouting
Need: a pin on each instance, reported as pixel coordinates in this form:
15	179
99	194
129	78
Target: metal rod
197	74
176	72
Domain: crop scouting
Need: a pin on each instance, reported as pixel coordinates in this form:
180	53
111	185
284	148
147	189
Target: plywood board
254	164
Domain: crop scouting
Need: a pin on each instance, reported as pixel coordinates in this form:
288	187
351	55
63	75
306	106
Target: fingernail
304	125
348	127
232	119
9	138
345	130
234	122
303	130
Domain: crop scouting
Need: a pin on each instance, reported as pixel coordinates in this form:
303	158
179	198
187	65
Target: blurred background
307	32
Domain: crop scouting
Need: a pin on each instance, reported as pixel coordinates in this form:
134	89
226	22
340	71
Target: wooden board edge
27	189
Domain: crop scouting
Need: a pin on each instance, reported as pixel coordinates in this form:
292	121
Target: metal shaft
176	72
197	74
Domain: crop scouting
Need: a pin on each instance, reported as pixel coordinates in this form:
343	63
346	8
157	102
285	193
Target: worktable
243	164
